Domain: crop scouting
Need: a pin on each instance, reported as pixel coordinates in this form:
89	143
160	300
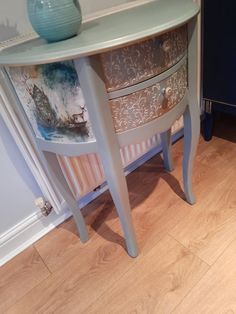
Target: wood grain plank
210	227
100	277
80	282
156	284
62	244
153	213
19	276
216	291
97	266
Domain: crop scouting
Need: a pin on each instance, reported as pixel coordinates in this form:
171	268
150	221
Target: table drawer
127	66
145	105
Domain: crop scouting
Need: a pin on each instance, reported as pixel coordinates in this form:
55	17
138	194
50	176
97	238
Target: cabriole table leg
166	149
96	98
192	113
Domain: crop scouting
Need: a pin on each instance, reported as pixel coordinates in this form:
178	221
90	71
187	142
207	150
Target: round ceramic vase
55	20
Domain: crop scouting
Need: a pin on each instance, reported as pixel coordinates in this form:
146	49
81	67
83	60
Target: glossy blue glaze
55	20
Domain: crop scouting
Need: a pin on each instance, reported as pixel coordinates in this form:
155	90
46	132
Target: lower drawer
145	105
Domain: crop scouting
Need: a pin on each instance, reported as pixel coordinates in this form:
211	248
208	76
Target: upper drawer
127	66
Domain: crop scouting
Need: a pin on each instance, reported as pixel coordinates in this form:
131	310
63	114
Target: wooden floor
187	261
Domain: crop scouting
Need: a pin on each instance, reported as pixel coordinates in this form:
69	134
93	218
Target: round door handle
166	46
167	92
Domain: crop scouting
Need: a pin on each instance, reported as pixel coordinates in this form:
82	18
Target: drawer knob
166	46
167	92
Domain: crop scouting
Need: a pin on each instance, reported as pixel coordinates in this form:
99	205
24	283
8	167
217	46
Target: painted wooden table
126	77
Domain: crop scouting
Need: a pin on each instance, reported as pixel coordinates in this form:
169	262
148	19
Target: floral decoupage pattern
53	101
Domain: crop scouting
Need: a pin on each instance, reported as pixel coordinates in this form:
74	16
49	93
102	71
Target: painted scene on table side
53	101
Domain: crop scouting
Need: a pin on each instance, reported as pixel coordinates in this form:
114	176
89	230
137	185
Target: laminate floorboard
216	291
187	253
210	226
156	284
19	276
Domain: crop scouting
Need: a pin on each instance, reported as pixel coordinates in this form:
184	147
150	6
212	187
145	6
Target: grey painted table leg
192	114
96	98
79	220
118	188
60	183
191	137
166	150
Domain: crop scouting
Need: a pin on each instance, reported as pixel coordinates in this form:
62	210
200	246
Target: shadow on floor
141	183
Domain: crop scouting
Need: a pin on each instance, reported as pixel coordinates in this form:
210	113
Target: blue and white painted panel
53	101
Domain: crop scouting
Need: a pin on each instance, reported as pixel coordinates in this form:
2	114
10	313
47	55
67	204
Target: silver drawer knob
166	46
167	92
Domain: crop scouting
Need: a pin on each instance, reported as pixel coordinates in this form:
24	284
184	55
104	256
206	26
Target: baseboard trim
28	231
35	226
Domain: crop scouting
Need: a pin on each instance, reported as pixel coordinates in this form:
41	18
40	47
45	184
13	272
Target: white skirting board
36	226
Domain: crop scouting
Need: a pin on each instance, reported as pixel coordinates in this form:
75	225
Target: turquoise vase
55	20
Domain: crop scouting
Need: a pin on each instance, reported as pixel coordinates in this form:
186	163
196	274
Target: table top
105	33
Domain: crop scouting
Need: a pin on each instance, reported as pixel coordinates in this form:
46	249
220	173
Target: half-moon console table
126	77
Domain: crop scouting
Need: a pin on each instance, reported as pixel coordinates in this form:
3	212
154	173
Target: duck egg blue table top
105	33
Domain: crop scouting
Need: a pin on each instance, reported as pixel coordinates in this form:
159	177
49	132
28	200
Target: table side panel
53	101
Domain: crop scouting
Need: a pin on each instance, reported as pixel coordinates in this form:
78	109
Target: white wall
18	188
94	6
12	24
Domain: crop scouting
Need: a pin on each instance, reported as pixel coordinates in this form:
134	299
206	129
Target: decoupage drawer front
145	105
127	66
